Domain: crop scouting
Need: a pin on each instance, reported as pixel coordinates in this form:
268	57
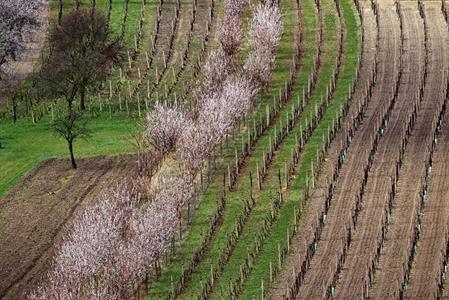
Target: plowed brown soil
35	211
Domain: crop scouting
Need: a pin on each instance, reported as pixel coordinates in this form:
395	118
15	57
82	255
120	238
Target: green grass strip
132	22
234	200
270	187
285	222
200	224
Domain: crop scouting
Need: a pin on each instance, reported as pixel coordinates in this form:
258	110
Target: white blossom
17	18
164	126
264	36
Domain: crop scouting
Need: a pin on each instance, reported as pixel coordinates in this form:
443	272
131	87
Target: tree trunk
72	157
60	12
83	98
14	113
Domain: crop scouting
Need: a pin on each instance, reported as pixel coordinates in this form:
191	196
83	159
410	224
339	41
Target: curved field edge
172	272
295	201
256	228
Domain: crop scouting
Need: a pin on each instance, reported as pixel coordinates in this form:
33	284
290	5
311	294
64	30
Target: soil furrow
362	253
26	247
327	250
316	207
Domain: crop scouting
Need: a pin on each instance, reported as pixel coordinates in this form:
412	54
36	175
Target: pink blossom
229	35
17	18
164	126
264	37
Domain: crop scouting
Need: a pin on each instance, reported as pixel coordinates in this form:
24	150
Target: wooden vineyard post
110	89
211	275
147	59
110	108
127	105
312	177
229	176
236	161
264	163
268	115
251	186
224	183
138	105
120	100
295	221
279	256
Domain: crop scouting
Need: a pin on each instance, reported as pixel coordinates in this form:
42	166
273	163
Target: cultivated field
36	209
333	184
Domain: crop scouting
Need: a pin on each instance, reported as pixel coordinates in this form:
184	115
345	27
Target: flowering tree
264	36
217	115
17	17
234	8
217	67
150	230
222	61
87	243
112	244
164	126
229	35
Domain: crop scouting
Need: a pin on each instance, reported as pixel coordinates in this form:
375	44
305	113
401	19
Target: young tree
70	127
83	52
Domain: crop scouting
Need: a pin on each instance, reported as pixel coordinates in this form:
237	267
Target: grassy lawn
25	145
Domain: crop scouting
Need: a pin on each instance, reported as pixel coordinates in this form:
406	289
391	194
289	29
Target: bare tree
71	127
82	53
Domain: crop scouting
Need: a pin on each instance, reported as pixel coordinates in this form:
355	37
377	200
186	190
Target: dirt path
34	212
396	252
27	61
